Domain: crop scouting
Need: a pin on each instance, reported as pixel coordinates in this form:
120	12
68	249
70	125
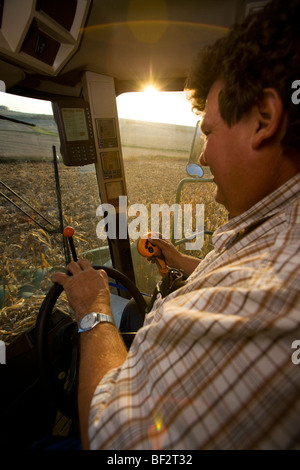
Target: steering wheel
59	375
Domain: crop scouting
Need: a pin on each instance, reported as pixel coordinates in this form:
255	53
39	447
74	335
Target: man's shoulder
291	219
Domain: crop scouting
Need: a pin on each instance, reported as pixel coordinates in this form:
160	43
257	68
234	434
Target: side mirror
194	170
193	167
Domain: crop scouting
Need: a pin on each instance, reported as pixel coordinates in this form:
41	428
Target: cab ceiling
134	41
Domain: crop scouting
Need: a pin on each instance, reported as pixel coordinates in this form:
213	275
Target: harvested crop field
29	253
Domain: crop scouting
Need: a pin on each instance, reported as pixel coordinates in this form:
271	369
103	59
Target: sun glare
156	106
150	90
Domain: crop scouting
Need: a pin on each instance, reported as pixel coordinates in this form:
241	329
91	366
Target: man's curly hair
262	52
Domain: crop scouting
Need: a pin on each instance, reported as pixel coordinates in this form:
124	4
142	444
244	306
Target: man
213	367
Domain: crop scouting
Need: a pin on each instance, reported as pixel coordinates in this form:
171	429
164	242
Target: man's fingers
159	242
72	268
84	264
76	266
59	278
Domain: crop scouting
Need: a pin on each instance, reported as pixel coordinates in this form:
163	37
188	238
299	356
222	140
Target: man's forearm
101	349
188	264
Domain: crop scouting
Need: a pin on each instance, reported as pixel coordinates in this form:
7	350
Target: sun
150	90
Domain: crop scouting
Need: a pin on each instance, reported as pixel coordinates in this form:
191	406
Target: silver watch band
92	319
104	318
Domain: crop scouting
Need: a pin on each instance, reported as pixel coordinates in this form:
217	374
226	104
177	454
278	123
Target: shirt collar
264	209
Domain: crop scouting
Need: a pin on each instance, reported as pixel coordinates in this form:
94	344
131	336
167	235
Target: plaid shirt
215	365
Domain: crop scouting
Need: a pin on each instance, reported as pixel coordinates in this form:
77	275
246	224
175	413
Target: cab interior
89	56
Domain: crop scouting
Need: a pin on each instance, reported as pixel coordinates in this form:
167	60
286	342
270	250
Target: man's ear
268	117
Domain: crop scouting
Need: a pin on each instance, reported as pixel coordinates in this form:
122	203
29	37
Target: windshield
157	132
38	196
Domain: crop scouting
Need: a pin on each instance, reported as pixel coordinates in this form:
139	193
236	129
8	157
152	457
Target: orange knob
147	249
68	231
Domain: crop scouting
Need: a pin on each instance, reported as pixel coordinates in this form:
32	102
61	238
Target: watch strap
99	318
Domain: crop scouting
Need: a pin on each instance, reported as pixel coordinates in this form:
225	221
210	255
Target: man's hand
87	289
172	256
168	250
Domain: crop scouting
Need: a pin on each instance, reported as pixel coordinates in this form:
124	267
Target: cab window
157	132
38	195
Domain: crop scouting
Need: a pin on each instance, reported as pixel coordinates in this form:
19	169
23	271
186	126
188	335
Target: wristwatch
92	319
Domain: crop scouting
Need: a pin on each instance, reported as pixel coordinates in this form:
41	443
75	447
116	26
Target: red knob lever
68	233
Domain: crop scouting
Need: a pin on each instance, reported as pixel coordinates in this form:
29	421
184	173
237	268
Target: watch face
87	321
